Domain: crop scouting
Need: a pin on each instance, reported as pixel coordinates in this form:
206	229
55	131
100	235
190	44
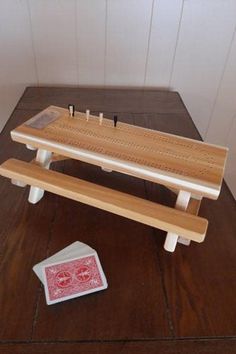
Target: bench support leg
43	158
193	208
106	169
19	183
30	147
184	241
181	204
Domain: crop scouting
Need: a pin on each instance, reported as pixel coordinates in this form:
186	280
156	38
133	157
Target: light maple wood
167	159
180	204
193	206
162	217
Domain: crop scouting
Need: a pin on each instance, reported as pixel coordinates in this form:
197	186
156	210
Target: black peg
71	108
115	120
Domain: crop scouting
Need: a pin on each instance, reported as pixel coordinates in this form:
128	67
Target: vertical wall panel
127	41
204	41
230	174
91	26
16	55
225	105
186	45
164	31
54	35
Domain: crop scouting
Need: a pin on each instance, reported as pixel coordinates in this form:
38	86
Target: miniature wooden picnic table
191	168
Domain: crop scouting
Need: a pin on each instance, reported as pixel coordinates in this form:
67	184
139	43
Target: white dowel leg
181	204
106	169
194	210
35	195
184	241
18	183
170	242
43	158
30	147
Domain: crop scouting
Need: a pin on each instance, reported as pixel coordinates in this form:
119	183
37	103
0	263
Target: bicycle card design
73	278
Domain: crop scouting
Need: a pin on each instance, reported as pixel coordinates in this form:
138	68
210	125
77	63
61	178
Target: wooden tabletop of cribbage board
167	159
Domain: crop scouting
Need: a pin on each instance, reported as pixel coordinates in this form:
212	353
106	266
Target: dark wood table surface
156	301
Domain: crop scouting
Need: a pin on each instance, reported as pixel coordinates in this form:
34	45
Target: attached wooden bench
189	226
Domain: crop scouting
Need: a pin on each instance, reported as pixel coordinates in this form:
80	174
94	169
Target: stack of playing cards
72	272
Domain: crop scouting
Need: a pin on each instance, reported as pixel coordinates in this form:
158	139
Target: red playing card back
73	278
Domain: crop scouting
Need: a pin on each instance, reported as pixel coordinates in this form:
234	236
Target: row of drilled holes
123	156
87	132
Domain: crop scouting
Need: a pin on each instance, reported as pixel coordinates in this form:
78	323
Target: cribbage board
190	168
167	159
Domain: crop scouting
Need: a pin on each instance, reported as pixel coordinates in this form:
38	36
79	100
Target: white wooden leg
18	183
43	158
193	208
30	147
35	195
184	241
170	242
106	169
181	204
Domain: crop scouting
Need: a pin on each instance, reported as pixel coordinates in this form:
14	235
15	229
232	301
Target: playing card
73	278
76	249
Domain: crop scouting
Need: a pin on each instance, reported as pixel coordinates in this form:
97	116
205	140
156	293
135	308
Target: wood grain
152	214
154	298
134	305
24	233
160	157
203	346
105	100
200	292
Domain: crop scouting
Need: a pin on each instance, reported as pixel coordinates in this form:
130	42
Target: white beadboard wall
17	66
183	45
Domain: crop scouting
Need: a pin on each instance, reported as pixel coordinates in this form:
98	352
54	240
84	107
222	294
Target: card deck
73	278
76	249
71	272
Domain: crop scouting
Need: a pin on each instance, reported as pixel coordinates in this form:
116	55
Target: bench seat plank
168	219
